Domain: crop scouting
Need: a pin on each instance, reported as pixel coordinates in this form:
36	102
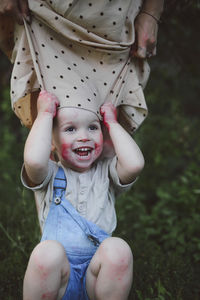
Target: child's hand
109	113
47	102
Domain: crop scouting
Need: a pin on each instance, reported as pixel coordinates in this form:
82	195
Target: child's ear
53	147
53	144
53	155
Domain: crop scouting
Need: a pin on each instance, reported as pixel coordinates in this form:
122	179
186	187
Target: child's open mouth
83	151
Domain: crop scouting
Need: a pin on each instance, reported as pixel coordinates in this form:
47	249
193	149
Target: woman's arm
17	9
38	144
153	7
146	28
130	160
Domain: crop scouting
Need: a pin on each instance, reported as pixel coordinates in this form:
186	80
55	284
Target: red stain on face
78	138
65	151
81	160
99	146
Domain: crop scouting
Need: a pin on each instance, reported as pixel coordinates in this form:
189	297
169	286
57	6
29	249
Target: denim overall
79	237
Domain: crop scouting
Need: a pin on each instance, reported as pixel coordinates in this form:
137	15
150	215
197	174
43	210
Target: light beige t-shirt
80	51
92	193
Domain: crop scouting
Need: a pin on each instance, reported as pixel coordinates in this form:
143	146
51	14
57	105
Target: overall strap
59	185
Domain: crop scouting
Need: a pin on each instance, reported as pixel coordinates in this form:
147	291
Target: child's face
78	138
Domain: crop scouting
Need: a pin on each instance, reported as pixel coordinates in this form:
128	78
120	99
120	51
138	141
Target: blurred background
160	216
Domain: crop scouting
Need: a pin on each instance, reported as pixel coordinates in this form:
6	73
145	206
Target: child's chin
82	165
81	169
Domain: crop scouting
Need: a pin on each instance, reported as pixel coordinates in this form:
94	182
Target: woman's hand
146	29
18	9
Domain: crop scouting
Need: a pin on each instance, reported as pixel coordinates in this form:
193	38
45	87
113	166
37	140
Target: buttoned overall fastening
79	237
57	200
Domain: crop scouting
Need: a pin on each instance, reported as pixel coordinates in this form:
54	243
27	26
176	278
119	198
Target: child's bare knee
47	256
117	253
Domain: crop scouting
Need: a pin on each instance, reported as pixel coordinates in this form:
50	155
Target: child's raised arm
38	144
130	160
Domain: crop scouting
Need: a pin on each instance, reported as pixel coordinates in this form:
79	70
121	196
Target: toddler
77	257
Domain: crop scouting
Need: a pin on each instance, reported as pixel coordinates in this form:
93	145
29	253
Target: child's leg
109	275
47	273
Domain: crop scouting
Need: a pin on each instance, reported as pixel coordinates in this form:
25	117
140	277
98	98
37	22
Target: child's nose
83	136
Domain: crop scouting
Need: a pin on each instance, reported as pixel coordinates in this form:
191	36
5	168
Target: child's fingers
42	92
47	102
109	113
106	105
48	96
57	103
102	110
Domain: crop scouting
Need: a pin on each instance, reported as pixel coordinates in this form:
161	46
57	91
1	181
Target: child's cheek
65	151
99	145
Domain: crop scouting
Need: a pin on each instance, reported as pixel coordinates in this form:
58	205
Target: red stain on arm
109	114
47	102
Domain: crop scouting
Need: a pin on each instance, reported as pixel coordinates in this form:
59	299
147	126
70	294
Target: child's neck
76	169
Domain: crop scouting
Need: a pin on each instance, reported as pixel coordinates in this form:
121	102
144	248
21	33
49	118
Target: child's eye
93	127
70	129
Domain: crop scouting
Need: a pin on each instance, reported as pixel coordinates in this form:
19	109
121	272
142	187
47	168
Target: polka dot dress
79	50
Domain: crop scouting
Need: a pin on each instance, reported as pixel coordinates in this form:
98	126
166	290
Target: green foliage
18	222
160	216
